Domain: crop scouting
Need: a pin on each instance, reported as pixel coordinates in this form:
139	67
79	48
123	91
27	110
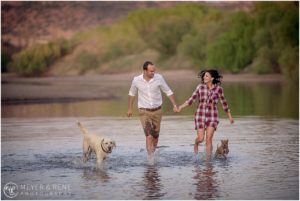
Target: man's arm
130	105
172	100
166	89
131	96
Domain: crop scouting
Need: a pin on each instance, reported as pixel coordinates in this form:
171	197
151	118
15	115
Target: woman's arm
225	105
230	117
185	104
194	96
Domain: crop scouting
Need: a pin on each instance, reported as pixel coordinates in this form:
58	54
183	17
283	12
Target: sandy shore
17	90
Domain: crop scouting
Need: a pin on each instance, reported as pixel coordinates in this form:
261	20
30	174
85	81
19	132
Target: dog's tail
82	128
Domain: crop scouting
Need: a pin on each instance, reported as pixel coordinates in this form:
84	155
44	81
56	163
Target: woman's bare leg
199	139
209	137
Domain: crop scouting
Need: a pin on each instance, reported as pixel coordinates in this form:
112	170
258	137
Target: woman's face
207	78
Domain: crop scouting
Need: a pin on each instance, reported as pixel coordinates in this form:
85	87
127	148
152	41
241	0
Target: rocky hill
25	23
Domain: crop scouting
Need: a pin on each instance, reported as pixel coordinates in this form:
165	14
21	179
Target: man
148	86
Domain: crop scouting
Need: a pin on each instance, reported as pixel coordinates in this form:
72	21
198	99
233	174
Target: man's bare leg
155	141
149	145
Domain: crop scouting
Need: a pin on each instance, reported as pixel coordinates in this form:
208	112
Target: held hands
177	109
185	104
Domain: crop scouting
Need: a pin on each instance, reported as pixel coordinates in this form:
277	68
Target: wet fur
223	150
95	143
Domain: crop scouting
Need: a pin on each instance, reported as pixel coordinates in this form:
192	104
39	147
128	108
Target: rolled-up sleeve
133	89
164	87
223	100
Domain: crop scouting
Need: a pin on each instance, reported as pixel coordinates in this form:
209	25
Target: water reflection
152	183
96	174
263	162
254	99
247	99
205	182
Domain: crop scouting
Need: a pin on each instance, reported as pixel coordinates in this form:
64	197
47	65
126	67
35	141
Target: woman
206	116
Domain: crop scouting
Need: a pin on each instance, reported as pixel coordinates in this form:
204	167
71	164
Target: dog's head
107	145
224	144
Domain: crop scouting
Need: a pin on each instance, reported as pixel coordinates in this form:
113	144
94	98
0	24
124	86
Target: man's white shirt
149	93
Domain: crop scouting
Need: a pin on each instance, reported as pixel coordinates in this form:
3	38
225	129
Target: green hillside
263	40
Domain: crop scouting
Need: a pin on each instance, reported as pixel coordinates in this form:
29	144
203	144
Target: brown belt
151	109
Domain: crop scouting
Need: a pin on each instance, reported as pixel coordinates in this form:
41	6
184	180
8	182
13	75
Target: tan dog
101	146
223	150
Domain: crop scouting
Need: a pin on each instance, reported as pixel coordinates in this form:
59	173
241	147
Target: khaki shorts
151	122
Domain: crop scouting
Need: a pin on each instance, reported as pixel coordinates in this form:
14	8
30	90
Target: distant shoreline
20	90
242	77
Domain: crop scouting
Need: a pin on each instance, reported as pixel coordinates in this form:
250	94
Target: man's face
150	71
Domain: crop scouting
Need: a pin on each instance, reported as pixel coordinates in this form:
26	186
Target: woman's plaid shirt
207	112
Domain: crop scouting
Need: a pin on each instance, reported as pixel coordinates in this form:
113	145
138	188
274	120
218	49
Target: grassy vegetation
35	60
262	40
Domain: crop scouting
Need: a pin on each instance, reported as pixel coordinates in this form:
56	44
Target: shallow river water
41	159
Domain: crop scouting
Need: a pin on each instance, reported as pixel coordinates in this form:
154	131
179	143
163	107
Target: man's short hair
145	66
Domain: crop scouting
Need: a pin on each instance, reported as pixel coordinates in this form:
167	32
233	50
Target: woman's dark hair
145	66
214	73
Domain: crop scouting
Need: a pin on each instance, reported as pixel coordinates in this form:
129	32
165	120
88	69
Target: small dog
101	146
223	150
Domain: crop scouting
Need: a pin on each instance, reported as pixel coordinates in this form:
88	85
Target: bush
143	21
87	61
35	60
163	29
276	38
263	62
194	44
234	49
168	35
289	63
30	62
194	48
120	40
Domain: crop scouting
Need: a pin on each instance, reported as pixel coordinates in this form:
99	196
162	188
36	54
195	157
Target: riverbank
19	90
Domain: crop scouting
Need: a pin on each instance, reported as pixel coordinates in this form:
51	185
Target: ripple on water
262	162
